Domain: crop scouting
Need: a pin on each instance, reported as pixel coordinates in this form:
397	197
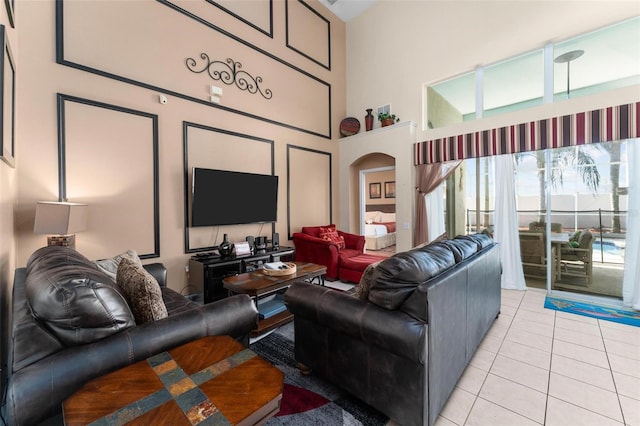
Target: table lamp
61	220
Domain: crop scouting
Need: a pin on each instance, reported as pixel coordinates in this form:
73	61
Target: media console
207	271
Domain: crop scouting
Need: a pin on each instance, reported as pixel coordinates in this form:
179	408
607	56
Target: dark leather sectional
403	347
44	370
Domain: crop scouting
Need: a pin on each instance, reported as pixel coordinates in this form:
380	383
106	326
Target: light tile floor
538	366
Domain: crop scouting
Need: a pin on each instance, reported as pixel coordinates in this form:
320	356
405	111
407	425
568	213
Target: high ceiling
347	9
611	57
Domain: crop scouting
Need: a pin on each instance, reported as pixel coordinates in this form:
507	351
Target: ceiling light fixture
568	57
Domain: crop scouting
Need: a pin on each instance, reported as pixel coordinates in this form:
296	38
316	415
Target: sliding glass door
572	214
576	197
588	200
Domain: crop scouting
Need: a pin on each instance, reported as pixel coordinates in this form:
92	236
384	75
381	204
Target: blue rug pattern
623	316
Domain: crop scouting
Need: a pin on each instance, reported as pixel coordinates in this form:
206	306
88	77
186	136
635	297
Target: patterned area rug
624	316
309	400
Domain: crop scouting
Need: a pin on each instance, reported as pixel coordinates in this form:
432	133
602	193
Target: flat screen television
223	197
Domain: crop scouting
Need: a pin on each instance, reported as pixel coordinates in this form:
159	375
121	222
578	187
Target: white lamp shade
60	218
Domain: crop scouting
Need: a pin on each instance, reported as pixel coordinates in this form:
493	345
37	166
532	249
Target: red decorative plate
349	126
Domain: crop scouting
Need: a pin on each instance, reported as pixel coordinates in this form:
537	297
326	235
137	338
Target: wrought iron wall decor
229	72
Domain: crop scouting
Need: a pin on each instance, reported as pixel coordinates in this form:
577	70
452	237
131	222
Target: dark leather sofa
402	346
44	370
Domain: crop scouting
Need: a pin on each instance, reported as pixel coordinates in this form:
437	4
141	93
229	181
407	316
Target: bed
380	230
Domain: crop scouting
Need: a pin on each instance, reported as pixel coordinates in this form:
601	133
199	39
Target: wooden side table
214	380
258	285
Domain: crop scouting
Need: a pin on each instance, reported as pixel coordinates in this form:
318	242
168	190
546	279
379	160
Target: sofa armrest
353	241
392	331
158	271
37	391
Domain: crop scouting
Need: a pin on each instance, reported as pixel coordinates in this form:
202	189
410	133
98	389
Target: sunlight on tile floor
543	367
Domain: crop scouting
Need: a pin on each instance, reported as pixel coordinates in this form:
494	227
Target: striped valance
601	125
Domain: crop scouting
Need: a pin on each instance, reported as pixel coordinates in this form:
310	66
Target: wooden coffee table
259	285
214	379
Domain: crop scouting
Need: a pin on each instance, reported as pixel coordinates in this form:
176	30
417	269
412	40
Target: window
596	62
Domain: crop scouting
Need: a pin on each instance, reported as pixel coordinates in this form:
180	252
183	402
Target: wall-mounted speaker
275	240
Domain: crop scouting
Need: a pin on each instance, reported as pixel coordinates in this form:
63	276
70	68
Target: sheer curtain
435	220
428	178
506	224
631	280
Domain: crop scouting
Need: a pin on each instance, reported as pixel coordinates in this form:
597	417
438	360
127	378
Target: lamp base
62	240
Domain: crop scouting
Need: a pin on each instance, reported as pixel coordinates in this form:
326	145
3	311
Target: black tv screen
222	197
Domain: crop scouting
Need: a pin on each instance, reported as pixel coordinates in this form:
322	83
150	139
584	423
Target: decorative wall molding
229	72
327	202
7	100
11	7
324	88
323	62
63	147
187	173
268	32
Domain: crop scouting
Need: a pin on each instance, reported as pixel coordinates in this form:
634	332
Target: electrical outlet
384	109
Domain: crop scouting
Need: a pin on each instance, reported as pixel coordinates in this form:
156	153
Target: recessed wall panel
308	32
260	86
214	148
109	161
308	168
255	13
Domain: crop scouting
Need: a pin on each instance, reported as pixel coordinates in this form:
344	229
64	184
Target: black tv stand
206	270
206	256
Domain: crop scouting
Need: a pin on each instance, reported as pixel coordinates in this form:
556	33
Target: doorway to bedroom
378	209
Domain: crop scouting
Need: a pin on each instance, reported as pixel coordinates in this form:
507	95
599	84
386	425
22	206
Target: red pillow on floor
330	234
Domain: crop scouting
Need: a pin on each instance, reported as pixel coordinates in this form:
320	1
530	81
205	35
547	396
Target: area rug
309	400
623	316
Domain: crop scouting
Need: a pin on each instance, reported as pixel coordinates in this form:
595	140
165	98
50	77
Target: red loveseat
311	247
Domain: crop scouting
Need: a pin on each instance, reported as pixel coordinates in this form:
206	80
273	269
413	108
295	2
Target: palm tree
561	159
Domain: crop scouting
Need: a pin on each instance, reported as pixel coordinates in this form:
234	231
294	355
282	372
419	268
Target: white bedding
376	236
379	242
372	230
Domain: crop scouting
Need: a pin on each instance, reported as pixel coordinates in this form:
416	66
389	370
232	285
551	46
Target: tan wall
109	152
381	178
8	200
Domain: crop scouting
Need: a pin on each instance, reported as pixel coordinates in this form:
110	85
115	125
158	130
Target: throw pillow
330	234
141	290
362	289
387	217
110	266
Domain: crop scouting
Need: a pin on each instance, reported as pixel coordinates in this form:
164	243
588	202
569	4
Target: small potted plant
387	119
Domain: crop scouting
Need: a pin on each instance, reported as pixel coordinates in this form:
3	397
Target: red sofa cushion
352	268
359	263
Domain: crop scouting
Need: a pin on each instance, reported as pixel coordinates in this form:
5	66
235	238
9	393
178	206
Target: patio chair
532	253
542	226
578	261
